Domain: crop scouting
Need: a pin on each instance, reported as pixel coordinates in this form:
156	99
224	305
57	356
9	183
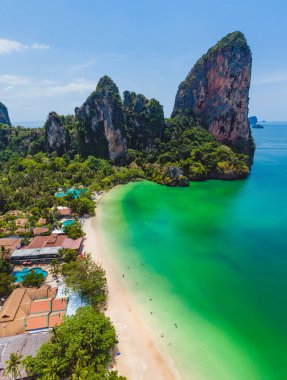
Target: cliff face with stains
144	120
216	93
100	122
4	116
55	132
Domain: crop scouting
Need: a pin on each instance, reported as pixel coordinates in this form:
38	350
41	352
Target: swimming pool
68	222
20	274
75	192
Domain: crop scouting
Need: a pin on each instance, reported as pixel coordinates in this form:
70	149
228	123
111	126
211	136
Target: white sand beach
141	356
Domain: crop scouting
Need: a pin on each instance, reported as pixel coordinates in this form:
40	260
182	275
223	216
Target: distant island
257	126
252	120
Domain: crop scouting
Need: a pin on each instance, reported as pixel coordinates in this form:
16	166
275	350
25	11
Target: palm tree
14	365
4	252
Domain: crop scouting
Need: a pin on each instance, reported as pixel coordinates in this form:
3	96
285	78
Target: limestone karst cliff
100	122
144	120
4	116
55	133
60	133
216	93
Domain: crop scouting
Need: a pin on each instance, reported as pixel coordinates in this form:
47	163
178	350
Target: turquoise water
213	258
75	192
20	274
68	222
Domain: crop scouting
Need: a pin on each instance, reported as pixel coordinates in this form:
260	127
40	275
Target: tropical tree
33	279
86	278
68	254
6	284
4	252
55	268
5	266
14	365
74	230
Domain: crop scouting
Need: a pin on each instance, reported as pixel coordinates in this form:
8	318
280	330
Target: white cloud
16	86
14	80
40	46
10	46
271	78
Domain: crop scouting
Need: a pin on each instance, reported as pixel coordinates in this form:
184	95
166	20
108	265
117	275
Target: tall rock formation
55	133
215	93
60	133
4	116
144	120
100	122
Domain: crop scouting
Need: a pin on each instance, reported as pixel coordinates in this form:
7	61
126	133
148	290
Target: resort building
40	231
43	249
56	240
35	255
52	240
15	213
65	211
29	310
21	222
10	244
42	222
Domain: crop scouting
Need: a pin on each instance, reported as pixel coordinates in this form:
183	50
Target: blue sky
52	53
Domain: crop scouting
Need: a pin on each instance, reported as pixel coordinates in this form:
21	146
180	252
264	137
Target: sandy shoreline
141	356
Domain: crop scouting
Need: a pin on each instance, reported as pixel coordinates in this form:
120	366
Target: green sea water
213	259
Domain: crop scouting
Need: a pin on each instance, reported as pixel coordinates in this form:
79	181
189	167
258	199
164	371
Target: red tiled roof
21	222
38	242
72	244
65	211
42	221
59	304
39	321
53	240
10	243
40	306
40	230
56	318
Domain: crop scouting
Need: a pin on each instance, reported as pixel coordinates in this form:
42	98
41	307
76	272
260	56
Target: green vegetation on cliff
144	120
195	151
19	141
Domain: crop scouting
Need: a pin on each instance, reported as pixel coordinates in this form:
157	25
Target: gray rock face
178	179
4	116
55	133
100	122
215	93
